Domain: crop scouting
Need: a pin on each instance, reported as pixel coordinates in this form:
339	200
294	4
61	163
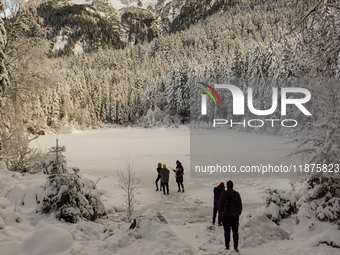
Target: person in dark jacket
165	179
159	168
179	175
217	193
230	208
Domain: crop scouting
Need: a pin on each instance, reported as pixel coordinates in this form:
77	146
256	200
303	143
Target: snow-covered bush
67	195
257	229
317	198
281	204
152	118
18	155
324	197
54	161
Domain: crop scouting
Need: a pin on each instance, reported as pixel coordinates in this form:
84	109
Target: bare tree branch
306	16
333	6
128	182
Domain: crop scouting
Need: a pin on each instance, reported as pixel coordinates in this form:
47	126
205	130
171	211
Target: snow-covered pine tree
3	41
66	194
26	56
320	147
3	71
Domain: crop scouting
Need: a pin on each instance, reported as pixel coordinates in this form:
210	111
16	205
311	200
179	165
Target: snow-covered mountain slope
150	5
85	25
120	4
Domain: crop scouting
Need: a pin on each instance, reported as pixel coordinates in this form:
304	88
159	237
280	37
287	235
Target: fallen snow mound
5	208
65	130
149	234
49	240
313	231
256	229
8	179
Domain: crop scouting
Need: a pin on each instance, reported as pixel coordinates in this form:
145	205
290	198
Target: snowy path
99	153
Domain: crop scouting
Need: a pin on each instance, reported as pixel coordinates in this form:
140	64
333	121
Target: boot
183	191
179	190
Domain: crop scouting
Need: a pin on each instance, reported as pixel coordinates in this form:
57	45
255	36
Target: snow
257	229
273	211
8	179
119	4
146	3
187	229
25	194
78	48
81	1
49	240
65	130
61	41
5	208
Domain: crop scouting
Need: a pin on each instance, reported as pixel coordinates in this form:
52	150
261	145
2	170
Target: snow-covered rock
149	234
272	212
257	229
49	240
330	236
65	130
8	179
27	195
15	219
2	224
5	208
3	166
311	230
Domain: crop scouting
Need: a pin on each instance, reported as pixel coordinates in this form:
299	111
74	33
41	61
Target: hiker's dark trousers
165	185
230	222
215	211
158	178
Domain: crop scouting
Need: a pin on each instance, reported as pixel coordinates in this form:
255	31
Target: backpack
231	206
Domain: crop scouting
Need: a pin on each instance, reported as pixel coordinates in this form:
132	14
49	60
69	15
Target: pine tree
3	41
65	194
3	78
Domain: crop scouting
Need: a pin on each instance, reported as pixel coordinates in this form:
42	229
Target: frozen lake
102	151
99	153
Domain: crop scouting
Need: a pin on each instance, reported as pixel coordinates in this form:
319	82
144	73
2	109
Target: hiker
230	208
217	193
179	175
159	168
165	179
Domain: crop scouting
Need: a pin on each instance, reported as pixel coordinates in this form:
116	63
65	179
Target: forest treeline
149	84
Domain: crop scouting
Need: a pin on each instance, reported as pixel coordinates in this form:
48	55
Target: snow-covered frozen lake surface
98	153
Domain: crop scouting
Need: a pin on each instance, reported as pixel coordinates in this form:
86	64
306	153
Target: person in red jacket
217	193
179	175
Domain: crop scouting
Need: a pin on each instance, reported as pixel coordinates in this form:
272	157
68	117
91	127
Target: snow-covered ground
187	230
119	4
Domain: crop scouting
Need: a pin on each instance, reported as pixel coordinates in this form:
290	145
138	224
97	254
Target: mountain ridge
84	26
